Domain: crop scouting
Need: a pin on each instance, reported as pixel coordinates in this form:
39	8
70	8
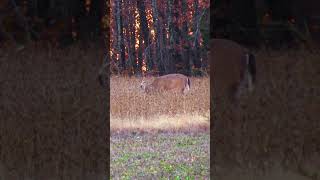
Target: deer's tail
252	66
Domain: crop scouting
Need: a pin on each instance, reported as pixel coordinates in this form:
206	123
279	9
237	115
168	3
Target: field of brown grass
278	123
53	119
52	113
130	108
151	135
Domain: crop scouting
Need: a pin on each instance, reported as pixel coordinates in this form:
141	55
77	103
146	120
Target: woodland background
159	37
155	36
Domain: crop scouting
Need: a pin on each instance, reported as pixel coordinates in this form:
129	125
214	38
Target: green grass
161	156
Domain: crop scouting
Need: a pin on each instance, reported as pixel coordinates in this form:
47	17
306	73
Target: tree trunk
196	31
176	38
158	39
130	36
187	60
32	8
169	59
120	40
81	19
140	55
96	16
145	31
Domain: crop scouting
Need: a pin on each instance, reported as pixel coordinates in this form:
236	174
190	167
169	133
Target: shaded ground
275	173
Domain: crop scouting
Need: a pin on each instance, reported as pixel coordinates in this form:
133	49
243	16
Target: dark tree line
159	37
269	22
59	21
146	35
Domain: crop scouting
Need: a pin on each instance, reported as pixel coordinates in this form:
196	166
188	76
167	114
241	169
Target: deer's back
228	62
170	82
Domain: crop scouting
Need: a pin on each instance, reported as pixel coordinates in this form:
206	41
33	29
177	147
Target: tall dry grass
279	121
130	108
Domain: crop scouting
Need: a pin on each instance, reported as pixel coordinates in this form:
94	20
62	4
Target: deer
233	72
178	83
234	69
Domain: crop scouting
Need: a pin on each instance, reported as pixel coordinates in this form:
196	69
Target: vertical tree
170	46
132	36
196	31
120	38
176	36
140	52
96	14
145	31
186	44
158	39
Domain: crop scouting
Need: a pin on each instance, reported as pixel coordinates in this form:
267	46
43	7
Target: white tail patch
250	83
233	71
248	74
187	88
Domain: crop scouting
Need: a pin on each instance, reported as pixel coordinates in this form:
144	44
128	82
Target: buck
234	69
171	82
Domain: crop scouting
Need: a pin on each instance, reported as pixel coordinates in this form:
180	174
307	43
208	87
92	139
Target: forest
159	37
151	36
58	23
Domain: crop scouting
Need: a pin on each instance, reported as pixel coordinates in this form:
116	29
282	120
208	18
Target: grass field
278	123
163	135
164	155
52	113
131	109
53	121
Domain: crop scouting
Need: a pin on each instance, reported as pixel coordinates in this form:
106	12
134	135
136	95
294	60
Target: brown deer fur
232	68
171	82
